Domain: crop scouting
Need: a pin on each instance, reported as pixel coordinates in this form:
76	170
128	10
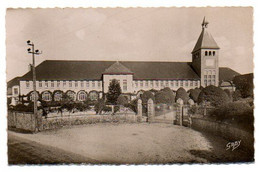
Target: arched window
71	94
82	95
206	53
32	96
57	96
46	96
213	53
209	53
93	95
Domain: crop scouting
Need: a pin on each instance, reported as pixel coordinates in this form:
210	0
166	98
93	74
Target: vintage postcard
137	86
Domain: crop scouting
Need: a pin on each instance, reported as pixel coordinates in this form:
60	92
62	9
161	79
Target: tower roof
117	68
205	39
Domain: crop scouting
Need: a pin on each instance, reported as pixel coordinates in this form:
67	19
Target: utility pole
33	52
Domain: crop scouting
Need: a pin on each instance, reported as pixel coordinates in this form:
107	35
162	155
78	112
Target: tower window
209	53
213	53
206	53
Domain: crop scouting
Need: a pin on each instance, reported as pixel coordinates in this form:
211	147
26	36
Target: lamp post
33	52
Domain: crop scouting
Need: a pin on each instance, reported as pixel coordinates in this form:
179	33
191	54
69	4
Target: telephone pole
34	52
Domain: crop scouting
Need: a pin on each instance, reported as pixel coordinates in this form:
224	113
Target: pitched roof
13	82
205	41
93	70
227	74
117	68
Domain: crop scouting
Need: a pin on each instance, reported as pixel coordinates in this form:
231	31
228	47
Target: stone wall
21	121
225	131
59	122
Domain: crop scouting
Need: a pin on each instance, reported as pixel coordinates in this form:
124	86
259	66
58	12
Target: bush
181	93
229	93
23	108
237	95
133	105
146	96
239	113
194	94
122	100
164	97
99	106
214	95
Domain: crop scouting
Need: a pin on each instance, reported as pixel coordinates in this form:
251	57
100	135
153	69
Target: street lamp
33	52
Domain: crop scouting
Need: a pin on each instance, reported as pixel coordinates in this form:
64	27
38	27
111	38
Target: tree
215	95
114	91
122	100
245	84
194	94
236	95
146	96
99	106
165	96
181	93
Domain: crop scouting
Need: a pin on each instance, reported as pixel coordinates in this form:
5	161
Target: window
71	94
27	84
124	85
82	96
186	83
191	83
82	84
52	84
70	83
93	95
58	83
15	91
213	76
57	96
151	83
46	84
209	53
167	83
99	84
32	96
157	83
46	96
206	53
196	83
146	83
214	53
205	76
177	84
64	83
87	84
93	84
161	83
76	83
181	83
209	76
40	84
136	83
172	83
205	82
141	84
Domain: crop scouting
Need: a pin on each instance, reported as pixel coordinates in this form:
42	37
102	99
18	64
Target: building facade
82	79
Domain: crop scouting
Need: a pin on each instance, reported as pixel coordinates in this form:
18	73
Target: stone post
180	101
139	110
150	110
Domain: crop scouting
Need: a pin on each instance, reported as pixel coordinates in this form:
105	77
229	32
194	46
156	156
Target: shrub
146	96
181	93
99	106
239	113
122	100
229	93
23	107
237	95
214	95
194	94
133	105
164	97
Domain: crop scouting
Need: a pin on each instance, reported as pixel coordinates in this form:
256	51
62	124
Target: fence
22	121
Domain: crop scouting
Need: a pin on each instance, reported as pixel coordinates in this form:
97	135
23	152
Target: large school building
82	79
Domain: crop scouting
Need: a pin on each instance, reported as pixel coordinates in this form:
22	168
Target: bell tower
205	59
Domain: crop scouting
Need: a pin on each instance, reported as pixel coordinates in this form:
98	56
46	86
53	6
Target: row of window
210	72
210	53
209	82
80	96
52	84
142	84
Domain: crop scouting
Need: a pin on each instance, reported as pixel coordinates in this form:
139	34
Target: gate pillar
150	110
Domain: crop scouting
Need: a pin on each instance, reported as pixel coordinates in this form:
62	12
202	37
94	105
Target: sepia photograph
130	86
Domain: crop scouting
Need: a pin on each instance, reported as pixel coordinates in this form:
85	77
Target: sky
126	34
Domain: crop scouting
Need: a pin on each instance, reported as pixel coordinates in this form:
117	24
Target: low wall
59	122
226	131
22	121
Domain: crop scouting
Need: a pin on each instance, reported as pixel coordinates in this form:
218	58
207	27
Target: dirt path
135	144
